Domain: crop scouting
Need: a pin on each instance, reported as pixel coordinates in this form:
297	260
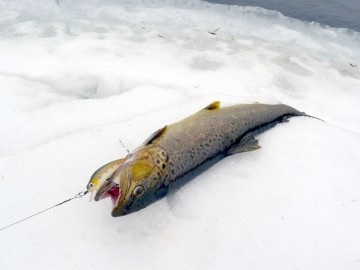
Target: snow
77	80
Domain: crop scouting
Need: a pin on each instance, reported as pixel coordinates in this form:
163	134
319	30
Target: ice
78	78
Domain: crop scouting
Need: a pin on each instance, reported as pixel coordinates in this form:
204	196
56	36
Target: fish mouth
110	189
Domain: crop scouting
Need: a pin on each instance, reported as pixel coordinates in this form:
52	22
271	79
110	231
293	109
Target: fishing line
79	195
127	150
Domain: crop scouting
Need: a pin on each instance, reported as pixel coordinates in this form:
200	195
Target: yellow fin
213	106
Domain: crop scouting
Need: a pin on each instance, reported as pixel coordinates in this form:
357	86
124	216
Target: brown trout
177	152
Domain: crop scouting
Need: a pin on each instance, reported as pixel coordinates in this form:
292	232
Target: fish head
102	175
138	182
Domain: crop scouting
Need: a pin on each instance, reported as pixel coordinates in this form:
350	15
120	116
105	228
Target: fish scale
211	132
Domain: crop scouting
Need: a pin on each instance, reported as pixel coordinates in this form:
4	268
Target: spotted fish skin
177	152
215	132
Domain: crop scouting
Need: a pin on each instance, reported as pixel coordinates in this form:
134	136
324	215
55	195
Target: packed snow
83	82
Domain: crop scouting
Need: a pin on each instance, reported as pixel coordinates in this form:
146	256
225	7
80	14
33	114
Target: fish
178	152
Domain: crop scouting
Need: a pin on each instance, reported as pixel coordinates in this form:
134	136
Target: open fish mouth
110	189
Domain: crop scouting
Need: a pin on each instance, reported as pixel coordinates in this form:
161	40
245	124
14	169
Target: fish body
178	150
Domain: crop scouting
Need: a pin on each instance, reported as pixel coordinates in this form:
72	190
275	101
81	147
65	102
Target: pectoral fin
246	145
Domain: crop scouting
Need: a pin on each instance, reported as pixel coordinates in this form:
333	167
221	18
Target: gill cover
141	179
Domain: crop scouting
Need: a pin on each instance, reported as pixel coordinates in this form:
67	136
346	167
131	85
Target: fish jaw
109	189
114	193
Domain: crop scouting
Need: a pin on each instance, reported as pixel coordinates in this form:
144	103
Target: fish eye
91	185
139	191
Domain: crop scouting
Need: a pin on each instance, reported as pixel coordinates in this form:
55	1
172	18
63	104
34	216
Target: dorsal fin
213	106
155	135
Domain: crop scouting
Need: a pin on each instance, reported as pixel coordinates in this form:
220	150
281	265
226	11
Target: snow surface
75	81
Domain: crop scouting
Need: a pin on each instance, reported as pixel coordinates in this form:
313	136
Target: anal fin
246	145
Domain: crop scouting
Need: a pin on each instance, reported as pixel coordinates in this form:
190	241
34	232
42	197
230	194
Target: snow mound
78	78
